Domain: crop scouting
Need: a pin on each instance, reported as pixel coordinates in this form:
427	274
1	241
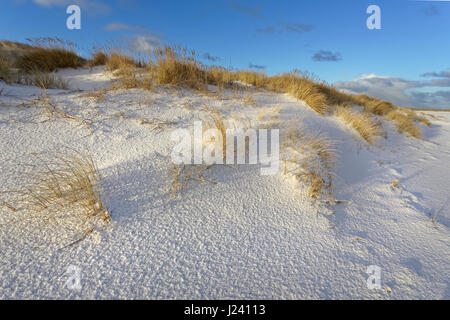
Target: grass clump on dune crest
321	97
311	96
99	59
129	76
116	61
43	80
49	54
35	64
294	84
179	67
377	107
257	79
5	70
300	88
124	67
361	122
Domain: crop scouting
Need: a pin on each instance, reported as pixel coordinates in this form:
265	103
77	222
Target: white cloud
142	39
145	43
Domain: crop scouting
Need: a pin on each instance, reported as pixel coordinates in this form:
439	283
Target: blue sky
406	61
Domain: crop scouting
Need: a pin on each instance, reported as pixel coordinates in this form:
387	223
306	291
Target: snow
86	78
246	237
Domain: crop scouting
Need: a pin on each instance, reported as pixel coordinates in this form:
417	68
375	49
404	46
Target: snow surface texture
246	237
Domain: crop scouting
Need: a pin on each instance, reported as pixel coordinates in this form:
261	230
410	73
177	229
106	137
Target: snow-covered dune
248	236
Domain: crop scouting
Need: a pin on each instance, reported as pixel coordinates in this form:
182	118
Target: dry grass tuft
116	61
49	54
128	72
156	124
45	80
395	184
61	191
5	70
405	123
243	94
127	78
311	160
216	120
314	99
248	99
52	111
42	57
256	79
378	107
405	119
300	88
99	59
268	118
361	122
220	77
97	95
178	67
183	175
8	205
414	116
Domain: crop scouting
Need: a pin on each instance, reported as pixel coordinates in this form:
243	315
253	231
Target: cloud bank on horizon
405	93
